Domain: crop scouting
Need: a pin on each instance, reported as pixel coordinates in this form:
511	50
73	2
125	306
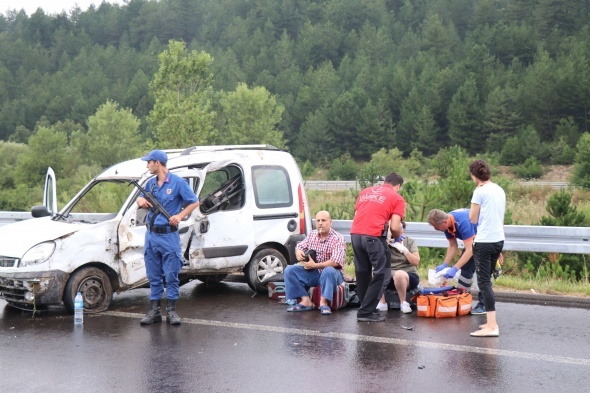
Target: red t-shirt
374	207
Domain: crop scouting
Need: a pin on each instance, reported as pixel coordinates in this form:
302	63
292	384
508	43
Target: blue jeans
163	259
298	281
486	255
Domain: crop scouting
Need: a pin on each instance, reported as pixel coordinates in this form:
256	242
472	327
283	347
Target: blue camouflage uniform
163	253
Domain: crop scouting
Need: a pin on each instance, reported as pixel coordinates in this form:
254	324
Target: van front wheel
263	265
96	289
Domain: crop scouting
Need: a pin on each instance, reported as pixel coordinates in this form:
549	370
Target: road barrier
343	185
567	240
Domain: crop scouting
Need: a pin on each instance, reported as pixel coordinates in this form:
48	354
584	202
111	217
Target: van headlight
38	254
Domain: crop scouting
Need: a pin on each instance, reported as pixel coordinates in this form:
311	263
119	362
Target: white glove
400	247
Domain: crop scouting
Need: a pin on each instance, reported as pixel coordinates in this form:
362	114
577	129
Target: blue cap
156	155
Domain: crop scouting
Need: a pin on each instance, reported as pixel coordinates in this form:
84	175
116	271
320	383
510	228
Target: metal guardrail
566	240
343	185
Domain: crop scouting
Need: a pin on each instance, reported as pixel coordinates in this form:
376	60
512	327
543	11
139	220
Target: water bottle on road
78	309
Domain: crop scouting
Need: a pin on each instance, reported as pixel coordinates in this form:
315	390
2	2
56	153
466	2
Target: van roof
136	168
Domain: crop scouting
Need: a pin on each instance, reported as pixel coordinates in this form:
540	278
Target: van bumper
290	245
33	288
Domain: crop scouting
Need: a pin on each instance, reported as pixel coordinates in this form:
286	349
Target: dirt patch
552	172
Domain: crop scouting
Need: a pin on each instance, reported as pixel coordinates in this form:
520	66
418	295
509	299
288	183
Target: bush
531	169
581	176
307	169
343	168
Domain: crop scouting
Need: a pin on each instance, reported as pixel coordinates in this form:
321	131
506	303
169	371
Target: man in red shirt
378	209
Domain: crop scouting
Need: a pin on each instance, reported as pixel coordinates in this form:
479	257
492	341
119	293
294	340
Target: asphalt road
234	341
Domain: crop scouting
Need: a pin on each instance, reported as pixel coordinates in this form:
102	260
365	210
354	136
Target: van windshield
101	201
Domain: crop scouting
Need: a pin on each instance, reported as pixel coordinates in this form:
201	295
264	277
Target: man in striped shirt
321	257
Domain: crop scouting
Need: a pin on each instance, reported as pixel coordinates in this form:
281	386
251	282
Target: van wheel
211	279
96	289
264	264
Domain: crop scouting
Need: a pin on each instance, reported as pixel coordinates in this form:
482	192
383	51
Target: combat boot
171	316
154	315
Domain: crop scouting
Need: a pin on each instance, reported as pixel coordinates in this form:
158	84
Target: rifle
156	206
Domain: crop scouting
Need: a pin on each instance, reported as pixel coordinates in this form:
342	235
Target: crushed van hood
19	237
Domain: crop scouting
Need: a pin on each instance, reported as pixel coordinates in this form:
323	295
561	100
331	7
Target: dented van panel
253	210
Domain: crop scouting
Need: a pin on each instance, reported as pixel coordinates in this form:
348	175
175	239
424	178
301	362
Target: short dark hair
394	179
480	169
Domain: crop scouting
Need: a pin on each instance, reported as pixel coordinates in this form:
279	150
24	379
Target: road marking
360	337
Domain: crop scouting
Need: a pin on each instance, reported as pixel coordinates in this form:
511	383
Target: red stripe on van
301	210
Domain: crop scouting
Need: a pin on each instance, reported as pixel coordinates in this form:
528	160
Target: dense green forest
507	78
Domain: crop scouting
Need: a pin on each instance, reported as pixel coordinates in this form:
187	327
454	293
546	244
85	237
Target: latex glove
400	247
451	272
400	239
441	267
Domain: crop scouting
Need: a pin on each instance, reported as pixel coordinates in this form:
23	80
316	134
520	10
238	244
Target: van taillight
301	210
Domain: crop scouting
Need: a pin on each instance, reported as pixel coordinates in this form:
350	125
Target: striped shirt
332	247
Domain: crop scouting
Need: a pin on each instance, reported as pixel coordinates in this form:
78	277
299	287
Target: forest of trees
336	77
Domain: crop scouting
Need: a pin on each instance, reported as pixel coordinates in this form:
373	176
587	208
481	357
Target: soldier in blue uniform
163	253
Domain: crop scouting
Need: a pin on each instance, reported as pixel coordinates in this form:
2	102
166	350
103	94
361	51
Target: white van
253	212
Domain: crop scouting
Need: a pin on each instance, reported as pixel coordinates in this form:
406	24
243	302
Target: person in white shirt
488	205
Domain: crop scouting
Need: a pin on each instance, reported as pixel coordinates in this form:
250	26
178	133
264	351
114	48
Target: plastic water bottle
78	309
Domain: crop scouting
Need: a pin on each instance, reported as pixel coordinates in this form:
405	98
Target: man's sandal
299	307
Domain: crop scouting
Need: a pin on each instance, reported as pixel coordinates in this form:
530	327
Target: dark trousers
486	255
372	264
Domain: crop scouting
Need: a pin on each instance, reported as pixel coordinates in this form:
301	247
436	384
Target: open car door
49	206
222	240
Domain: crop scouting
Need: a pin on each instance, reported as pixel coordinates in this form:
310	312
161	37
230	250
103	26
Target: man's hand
441	267
451	272
310	265
400	238
400	247
300	255
143	203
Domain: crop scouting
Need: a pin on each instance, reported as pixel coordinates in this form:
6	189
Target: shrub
531	169
581	176
343	168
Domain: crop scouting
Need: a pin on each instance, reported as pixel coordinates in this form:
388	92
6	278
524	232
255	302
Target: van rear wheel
96	289
263	265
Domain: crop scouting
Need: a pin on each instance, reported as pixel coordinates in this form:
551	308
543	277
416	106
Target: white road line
360	337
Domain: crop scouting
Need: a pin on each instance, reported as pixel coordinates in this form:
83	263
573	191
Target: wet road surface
234	341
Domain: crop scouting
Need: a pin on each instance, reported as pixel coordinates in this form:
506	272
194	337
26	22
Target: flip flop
299	307
325	310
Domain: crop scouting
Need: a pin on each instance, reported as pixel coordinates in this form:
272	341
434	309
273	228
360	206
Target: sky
50	6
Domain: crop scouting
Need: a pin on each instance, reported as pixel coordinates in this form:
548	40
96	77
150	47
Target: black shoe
372	317
171	316
154	315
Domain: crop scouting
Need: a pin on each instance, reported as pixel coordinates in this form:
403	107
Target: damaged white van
253	212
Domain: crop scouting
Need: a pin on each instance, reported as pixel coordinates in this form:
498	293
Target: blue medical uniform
162	250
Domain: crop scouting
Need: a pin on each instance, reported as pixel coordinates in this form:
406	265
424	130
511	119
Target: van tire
96	289
264	264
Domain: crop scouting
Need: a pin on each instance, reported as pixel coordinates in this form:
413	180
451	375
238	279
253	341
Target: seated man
456	225
404	260
324	270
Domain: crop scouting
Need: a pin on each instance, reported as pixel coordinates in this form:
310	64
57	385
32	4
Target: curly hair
480	169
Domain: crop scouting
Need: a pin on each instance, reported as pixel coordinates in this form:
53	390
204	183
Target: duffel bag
443	302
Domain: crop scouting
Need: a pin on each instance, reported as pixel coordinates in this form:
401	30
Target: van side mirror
40	211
